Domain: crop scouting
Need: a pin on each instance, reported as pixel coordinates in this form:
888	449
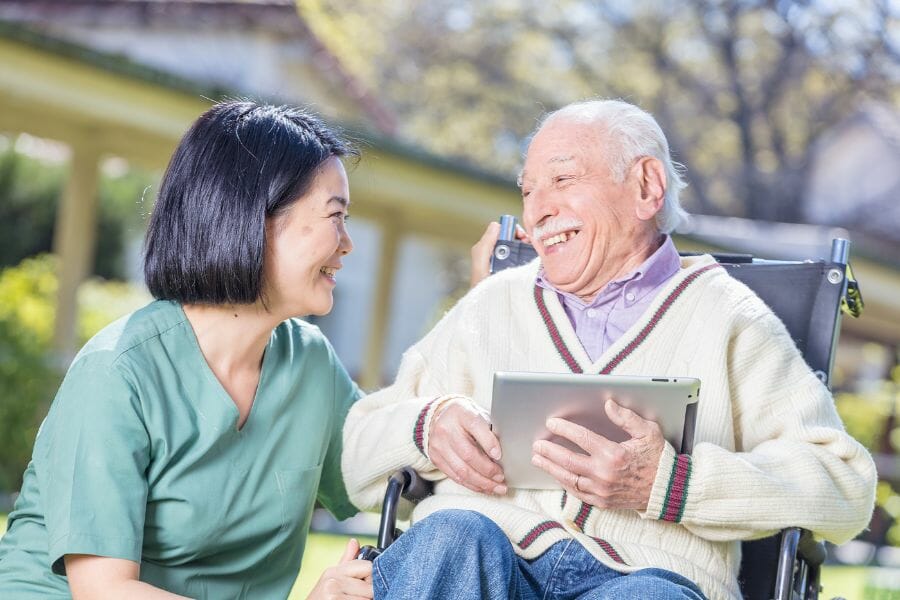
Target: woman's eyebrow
340	200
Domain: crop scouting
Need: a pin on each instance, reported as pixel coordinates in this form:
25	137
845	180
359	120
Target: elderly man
609	294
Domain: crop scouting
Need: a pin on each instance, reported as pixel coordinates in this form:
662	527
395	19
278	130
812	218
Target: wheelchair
810	298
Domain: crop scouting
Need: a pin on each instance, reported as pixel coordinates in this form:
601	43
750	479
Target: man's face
584	225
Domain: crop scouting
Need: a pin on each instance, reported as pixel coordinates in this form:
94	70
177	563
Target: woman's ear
652	184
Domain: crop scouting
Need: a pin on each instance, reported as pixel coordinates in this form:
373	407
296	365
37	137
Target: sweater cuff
668	496
422	427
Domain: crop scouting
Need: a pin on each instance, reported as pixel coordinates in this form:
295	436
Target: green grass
323	550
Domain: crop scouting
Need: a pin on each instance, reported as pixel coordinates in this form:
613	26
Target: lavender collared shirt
620	303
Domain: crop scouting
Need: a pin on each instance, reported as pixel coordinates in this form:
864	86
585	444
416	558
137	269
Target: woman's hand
350	579
482	250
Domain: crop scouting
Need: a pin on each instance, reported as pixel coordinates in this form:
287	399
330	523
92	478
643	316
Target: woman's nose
346	243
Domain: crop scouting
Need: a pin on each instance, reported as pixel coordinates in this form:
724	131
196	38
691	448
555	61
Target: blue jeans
455	554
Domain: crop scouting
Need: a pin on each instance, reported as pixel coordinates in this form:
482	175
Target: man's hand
462	445
482	250
611	475
350	579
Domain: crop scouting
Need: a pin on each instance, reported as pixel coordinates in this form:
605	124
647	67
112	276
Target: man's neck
633	259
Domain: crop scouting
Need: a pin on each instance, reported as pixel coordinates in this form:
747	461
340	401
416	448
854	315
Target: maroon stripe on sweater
610	551
536	532
583	514
657	316
554	332
419	429
678	489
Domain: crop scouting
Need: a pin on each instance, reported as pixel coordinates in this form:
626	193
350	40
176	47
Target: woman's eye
343	217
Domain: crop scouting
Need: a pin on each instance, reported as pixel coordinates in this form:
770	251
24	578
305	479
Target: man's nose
538	207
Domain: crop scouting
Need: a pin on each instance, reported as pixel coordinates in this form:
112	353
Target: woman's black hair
239	163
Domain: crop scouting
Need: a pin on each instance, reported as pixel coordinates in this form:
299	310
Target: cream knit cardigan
770	451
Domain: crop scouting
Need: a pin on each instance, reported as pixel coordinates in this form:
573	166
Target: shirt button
629	296
591	313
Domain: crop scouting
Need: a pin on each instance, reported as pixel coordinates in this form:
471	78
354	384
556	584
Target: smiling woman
190	440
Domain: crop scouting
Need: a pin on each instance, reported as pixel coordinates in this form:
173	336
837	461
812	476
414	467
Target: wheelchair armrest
416	488
797	544
404	483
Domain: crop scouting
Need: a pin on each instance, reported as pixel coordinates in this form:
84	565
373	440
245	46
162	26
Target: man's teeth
330	271
559	238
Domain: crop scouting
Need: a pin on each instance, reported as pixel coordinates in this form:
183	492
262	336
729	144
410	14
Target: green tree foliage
29	194
28	375
743	88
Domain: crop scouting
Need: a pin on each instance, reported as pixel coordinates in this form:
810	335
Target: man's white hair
630	132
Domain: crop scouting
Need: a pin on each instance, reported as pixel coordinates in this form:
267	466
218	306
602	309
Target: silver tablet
523	402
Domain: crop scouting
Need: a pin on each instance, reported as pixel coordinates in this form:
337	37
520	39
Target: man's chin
565	282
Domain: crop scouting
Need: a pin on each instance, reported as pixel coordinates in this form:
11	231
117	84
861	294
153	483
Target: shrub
28	373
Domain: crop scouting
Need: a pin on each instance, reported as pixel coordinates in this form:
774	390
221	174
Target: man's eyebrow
556	159
340	200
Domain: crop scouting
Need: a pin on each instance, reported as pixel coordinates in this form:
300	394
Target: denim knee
468	527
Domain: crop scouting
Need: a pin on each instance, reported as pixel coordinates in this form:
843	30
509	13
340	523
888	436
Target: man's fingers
350	551
583	437
631	423
480	430
463	470
565	458
565	477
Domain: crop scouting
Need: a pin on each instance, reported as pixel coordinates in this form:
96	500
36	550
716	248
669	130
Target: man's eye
526	193
561	178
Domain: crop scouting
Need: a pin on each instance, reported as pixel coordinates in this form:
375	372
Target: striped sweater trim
553	330
536	532
419	429
583	513
567	355
677	490
610	551
656	318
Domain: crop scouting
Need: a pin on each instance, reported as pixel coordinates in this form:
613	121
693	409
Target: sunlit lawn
323	550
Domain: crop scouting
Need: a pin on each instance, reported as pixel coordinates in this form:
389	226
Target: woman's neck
232	338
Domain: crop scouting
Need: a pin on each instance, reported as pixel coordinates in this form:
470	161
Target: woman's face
305	244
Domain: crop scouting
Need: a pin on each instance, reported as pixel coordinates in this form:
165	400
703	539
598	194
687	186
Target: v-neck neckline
563	336
221	392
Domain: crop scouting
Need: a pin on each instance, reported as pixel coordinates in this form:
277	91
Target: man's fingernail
536	460
498	478
552	424
495	453
500	490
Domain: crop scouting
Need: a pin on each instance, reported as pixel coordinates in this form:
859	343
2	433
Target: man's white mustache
555	226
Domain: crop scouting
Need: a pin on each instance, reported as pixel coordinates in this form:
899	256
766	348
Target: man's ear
651	179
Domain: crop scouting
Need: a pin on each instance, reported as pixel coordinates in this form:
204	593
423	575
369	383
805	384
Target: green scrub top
140	458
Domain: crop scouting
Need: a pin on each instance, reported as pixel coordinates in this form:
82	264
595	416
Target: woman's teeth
559	238
329	271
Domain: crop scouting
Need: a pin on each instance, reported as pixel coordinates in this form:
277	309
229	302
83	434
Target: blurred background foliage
29	373
743	89
31	188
